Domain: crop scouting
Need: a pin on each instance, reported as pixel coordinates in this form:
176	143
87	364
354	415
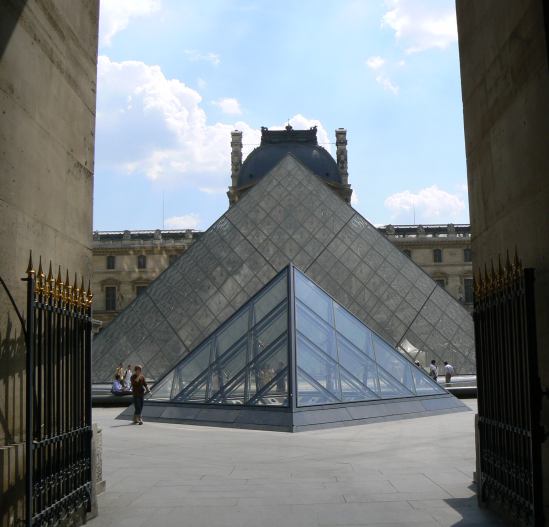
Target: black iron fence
509	393
58	410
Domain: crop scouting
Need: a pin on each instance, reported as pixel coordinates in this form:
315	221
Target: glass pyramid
290	216
292	338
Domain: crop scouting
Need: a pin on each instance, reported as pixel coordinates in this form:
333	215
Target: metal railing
58	397
509	393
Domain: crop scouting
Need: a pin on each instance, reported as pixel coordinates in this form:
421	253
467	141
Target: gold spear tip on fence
89	294
30	268
50	274
66	287
82	295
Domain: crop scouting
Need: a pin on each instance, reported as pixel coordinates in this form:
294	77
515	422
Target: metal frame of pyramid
291	359
290	216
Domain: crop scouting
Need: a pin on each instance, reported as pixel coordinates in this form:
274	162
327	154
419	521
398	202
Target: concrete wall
505	87
48	56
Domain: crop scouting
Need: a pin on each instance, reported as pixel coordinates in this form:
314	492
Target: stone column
236	155
341	154
236	163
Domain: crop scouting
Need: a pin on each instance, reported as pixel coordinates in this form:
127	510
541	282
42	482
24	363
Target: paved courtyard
400	473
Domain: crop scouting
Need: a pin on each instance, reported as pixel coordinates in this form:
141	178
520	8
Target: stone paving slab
415	472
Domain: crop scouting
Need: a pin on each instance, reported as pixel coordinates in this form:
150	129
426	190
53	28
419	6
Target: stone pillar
236	163
341	154
236	155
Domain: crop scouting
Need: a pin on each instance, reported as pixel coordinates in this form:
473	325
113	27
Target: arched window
407	252
467	255
141	261
437	255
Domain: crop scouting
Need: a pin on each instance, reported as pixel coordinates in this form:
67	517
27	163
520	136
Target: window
140	289
441	282
467	256
407	252
110	298
468	290
437	256
141	261
172	258
111	261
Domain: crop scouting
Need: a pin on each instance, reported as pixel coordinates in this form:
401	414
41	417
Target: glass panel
310	394
424	385
232	395
267	367
352	329
190	368
318	366
273	328
389	387
163	389
393	363
271	298
316	330
233	331
313	297
227	367
196	393
275	394
353	390
355	362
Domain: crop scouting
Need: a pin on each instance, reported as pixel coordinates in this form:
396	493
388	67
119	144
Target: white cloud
422	25
430	204
387	84
115	16
187	221
152	126
196	56
229	105
375	63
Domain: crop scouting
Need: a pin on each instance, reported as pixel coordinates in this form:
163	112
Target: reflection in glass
339	359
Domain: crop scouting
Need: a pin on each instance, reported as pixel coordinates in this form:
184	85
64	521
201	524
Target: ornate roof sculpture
289	216
291	359
275	146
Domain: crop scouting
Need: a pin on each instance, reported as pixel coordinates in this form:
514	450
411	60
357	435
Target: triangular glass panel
340	357
163	389
311	393
424	384
245	359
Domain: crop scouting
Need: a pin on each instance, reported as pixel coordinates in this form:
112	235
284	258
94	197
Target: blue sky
176	76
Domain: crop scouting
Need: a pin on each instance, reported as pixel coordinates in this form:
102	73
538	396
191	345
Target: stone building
442	251
504	61
126	262
48	70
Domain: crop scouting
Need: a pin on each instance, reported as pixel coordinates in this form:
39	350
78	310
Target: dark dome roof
277	144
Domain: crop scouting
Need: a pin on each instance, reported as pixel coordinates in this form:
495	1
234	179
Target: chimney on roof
236	155
341	154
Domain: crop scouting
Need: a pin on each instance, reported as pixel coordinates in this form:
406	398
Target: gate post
29	337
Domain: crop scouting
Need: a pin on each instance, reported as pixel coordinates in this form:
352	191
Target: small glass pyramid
292	346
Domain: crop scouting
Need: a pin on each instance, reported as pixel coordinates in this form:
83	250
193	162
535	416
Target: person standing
139	388
128	378
448	372
119	371
433	371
